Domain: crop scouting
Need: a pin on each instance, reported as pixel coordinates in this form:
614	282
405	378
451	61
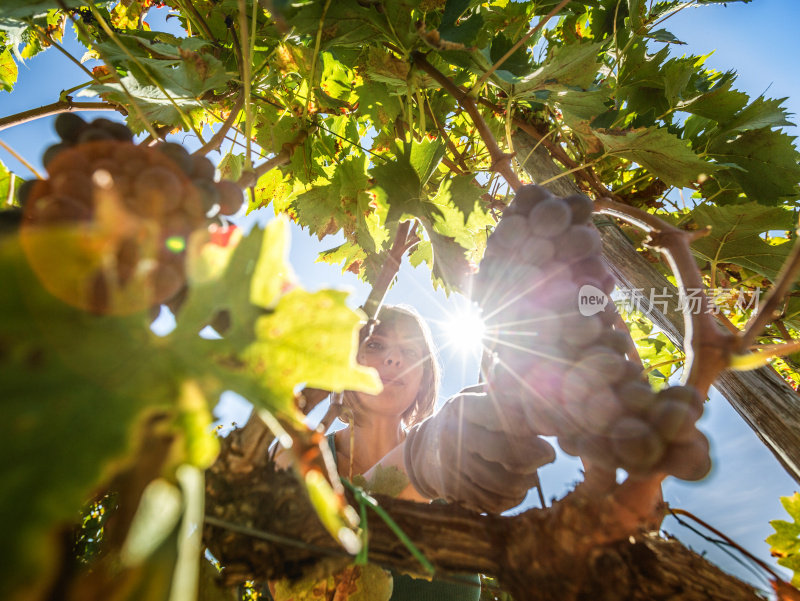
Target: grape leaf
735	236
454	28
311	339
766	164
663	153
720	103
8	70
23	9
93	377
9	184
785	543
273	274
574	65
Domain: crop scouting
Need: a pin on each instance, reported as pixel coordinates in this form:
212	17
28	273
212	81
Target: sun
464	330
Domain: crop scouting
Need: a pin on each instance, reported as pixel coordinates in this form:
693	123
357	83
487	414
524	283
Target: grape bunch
109	229
544	290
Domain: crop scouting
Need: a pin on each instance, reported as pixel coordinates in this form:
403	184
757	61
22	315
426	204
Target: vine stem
245	67
249	178
217	139
61	106
501	162
786	277
761	355
542	22
676	512
21	159
708	349
317	42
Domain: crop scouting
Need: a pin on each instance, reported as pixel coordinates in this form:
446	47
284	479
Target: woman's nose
392	357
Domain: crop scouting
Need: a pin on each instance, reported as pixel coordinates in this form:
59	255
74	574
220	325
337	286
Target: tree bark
764	400
261	526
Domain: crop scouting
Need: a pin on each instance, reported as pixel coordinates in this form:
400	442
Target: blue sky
760	41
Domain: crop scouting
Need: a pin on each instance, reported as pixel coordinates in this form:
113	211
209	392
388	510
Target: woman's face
399	357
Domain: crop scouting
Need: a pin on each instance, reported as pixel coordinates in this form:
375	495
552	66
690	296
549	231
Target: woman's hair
407	319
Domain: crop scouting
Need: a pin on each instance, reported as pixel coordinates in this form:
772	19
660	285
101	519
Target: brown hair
408	318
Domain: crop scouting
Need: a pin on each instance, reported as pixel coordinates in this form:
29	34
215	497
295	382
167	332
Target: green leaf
377	104
402	180
720	103
785	543
735	236
9	184
454	28
662	35
24	9
310	339
664	154
573	65
273	272
760	113
767	161
94	376
8	70
518	64
231	166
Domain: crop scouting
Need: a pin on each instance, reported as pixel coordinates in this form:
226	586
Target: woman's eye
373	345
411	353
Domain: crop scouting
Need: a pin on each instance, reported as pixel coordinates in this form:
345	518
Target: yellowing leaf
311	339
8	70
273	274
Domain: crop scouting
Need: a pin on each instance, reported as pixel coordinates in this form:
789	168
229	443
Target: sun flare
465	330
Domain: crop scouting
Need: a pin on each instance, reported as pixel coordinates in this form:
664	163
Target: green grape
581	207
549	218
636	444
69	126
230	197
597	412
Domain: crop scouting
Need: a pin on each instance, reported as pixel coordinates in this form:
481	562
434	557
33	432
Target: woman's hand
473	453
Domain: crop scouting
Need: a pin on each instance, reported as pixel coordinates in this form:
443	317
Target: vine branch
786	278
708	350
501	162
542	22
61	106
219	136
249	178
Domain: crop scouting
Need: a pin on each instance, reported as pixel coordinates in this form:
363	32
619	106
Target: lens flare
465	329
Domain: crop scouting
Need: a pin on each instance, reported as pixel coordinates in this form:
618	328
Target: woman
400	348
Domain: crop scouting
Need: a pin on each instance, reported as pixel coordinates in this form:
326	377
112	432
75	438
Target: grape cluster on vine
124	212
564	371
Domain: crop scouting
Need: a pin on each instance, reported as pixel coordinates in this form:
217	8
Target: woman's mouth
391	381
